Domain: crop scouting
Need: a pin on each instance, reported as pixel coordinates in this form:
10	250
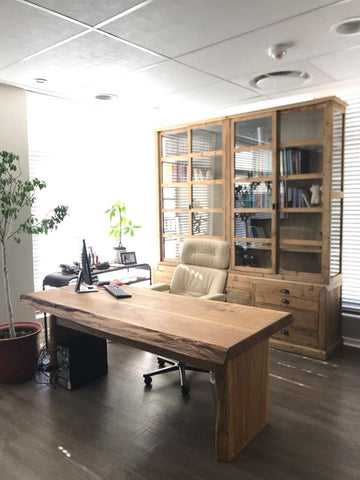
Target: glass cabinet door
192	191
174	176
301	191
207	190
252	191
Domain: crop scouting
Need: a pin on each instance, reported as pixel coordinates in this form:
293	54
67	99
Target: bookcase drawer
294	296
303	330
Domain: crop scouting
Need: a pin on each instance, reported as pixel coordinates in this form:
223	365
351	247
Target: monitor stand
81	288
86	288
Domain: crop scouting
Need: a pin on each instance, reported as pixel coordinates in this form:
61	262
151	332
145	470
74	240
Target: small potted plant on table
19	341
120	226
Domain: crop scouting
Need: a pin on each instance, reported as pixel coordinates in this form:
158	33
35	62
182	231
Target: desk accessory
102	265
128	258
117	291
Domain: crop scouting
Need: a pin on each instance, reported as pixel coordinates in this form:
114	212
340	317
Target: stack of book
294	197
294	161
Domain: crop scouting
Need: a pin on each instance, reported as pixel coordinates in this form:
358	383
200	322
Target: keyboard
117	291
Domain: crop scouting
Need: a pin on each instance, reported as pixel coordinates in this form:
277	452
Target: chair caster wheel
185	390
161	363
147	380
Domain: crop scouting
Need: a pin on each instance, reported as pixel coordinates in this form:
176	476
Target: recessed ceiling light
106	96
350	26
40	80
278	81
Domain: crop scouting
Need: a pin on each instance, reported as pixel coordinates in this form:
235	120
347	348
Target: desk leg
242	388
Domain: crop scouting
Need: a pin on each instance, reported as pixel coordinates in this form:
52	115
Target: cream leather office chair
201	274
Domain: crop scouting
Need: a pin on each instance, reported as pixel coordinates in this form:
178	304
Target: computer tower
80	360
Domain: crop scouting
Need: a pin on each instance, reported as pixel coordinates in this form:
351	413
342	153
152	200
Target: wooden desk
228	339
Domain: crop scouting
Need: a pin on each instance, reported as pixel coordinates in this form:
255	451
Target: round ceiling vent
106	96
350	26
279	81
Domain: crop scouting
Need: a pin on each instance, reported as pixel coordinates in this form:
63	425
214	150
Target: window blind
351	218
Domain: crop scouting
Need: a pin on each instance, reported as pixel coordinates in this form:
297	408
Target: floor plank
115	429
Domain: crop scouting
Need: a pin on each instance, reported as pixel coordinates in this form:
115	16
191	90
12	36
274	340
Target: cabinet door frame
233	150
189	210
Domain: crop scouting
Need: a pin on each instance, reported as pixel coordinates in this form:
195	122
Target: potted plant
120	226
19	341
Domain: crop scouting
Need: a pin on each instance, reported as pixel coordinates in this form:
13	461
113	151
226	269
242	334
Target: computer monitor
85	265
85	274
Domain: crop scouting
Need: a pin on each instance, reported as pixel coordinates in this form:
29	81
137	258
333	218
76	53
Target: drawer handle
284	332
285	300
284	290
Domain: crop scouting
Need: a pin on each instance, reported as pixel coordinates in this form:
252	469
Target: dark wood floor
115	429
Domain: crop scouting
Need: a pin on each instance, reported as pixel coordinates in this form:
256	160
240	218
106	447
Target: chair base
174	365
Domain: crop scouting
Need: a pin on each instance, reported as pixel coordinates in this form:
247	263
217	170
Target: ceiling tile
85	60
309	33
170	77
317	77
340	65
90	12
25	30
173	27
214	95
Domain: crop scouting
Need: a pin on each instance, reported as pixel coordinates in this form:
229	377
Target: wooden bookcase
270	183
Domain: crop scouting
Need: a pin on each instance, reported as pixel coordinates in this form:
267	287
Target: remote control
117	291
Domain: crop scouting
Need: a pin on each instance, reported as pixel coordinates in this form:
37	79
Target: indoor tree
16	196
120	225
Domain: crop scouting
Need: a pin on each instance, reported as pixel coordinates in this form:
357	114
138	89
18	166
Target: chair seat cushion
195	281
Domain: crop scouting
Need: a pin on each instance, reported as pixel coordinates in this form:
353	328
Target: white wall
13	138
90	156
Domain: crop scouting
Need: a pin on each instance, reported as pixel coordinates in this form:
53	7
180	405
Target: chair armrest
160	287
220	297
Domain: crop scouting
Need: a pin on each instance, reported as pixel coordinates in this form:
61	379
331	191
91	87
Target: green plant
15	195
120	225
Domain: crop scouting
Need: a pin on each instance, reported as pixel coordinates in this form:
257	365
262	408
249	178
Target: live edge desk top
229	339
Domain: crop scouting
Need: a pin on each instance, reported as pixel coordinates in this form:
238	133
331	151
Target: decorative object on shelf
120	226
128	258
315	194
19	341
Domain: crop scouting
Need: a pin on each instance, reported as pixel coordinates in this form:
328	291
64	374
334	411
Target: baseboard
352	342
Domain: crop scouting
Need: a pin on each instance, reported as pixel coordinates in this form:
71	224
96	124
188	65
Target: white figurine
315	194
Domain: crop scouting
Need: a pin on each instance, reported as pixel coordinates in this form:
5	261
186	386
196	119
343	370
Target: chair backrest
203	269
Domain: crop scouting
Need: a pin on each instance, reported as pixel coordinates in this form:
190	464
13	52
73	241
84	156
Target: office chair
202	273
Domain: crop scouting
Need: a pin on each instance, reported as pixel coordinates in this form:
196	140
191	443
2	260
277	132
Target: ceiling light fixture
278	51
106	96
273	82
40	80
350	26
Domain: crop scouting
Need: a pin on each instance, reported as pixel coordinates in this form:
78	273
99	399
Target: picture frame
128	258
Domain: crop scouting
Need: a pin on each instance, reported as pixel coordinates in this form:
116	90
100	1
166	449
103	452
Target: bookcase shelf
271	184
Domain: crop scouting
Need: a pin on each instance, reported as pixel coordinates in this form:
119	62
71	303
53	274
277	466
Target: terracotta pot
19	356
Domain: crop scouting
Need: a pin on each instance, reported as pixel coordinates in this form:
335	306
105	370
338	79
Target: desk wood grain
228	339
202	331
